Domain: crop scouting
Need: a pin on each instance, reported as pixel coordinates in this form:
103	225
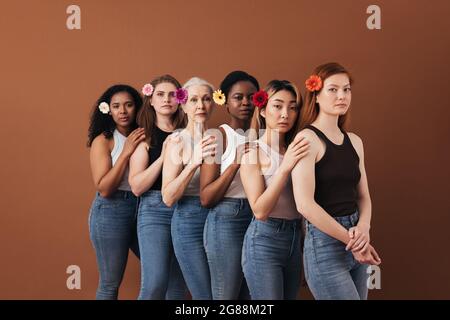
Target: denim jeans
112	228
188	222
330	271
271	258
160	273
225	229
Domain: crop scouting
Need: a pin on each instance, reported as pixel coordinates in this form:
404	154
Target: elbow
260	215
136	191
206	201
105	193
168	201
304	208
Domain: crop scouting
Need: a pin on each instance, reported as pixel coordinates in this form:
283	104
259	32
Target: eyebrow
128	101
335	85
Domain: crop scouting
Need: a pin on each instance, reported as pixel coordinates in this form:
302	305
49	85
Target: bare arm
214	185
106	177
263	201
142	176
303	179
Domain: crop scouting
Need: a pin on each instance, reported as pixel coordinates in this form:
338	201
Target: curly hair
103	123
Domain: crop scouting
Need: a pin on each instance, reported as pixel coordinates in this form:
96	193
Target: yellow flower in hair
219	97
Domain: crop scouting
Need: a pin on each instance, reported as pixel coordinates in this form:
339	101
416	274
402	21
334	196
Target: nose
245	101
123	109
340	94
200	105
166	98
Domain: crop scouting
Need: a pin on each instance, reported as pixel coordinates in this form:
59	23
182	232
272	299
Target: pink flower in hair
147	90
181	95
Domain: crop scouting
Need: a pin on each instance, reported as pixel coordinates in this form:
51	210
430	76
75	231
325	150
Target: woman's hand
369	256
359	237
132	141
297	149
203	149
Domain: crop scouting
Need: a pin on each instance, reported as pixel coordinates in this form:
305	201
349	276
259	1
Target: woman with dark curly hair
113	137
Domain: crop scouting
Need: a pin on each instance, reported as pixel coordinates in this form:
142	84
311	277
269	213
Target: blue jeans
160	273
331	272
271	259
112	228
188	222
225	229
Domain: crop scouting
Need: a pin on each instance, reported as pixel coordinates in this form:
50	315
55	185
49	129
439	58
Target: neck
195	128
328	123
124	130
239	124
274	139
164	122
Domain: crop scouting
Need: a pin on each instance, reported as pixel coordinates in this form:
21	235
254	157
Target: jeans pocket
227	209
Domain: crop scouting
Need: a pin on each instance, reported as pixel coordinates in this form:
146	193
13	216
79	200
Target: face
281	111
336	95
200	104
163	99
123	110
239	101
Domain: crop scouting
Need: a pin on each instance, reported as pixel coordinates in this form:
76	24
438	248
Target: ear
263	113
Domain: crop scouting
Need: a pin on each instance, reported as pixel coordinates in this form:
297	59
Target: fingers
375	255
359	245
351	232
352	242
363	250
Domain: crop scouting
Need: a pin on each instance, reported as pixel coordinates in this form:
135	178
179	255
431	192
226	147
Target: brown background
50	77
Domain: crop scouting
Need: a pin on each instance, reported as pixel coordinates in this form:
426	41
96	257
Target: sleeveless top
234	139
193	188
119	142
285	207
337	176
154	152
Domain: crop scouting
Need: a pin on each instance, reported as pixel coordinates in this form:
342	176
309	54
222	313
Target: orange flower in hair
314	83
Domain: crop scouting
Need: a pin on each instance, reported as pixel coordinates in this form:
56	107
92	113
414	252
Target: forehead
120	97
284	95
340	79
243	86
165	86
198	90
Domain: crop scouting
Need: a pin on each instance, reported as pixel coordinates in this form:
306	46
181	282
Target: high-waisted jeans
225	229
271	258
188	222
112	227
330	271
160	273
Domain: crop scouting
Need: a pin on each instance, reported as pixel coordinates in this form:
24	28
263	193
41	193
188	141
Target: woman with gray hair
181	185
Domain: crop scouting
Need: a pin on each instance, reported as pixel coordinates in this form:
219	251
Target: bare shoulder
101	143
356	141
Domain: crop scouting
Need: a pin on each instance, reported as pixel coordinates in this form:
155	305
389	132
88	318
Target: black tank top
158	137
337	176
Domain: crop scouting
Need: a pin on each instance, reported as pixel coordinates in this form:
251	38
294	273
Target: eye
171	94
238	97
115	106
293	108
207	99
194	100
347	89
277	106
332	89
160	94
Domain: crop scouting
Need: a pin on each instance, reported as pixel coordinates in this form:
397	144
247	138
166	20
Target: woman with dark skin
221	190
113	137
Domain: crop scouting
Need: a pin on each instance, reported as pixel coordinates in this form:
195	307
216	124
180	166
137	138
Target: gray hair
196	81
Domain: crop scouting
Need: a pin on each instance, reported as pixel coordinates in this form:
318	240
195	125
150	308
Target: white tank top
285	207
119	142
193	188
234	139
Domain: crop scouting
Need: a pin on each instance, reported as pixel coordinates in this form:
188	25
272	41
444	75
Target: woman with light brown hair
331	191
160	115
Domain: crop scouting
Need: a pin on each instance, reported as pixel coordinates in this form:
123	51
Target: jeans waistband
351	218
119	194
281	224
151	193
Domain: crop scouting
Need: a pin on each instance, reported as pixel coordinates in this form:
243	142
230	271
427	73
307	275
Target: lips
124	119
